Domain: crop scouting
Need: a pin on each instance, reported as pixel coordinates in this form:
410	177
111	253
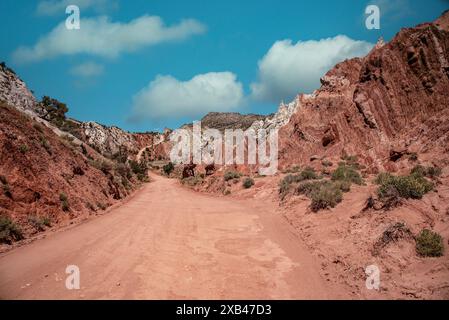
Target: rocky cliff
391	103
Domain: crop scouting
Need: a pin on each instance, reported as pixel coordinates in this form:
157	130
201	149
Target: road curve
168	242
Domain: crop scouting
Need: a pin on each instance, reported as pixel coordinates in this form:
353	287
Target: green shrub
168	168
383	178
347	173
308	174
327	196
138	167
64	201
143	177
248	183
39	223
324	194
412	186
23	148
430	172
286	183
429	244
230	175
56	110
9	231
344	186
46	145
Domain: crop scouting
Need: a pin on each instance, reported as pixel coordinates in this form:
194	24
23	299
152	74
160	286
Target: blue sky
148	64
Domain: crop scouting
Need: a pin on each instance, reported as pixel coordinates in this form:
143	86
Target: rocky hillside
109	141
54	169
383	107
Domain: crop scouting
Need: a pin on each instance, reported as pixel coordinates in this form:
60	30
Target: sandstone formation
393	100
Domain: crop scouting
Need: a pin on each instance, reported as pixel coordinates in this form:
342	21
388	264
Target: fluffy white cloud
88	69
99	36
288	69
53	7
167	97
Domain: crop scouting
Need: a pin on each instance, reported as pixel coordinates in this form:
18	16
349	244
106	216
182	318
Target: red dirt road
168	242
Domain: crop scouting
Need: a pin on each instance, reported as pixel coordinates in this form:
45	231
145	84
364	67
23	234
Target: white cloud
99	36
392	10
54	7
288	69
88	69
167	97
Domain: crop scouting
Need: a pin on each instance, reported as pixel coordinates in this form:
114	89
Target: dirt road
168	242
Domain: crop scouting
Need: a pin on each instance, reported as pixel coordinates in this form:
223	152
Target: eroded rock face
14	91
396	97
279	119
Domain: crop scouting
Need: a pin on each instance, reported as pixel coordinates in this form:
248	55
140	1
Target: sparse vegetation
39	223
347	173
5	187
430	172
168	168
230	175
412	186
289	180
248	183
23	148
64	201
393	233
139	169
429	244
55	109
46	145
324	194
9	231
327	197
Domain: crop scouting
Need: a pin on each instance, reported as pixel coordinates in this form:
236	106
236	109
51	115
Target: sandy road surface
169	243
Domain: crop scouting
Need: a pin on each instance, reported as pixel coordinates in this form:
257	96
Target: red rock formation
394	99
